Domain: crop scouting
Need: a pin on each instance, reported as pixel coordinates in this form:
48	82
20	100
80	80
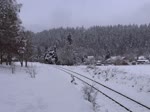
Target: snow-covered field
49	91
133	81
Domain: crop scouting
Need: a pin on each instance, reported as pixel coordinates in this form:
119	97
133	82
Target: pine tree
28	47
9	28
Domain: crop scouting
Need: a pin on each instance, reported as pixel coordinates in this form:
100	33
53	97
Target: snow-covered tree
21	43
50	56
28	47
66	55
9	28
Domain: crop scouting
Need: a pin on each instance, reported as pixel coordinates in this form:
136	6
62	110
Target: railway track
131	105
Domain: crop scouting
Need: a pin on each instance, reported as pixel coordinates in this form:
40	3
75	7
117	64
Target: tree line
118	40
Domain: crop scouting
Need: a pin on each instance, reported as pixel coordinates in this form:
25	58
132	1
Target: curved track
84	79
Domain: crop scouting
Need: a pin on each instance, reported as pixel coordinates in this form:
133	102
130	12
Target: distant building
89	60
142	60
116	60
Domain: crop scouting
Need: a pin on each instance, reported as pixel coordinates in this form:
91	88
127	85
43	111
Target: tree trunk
6	62
26	63
9	62
21	62
1	59
9	59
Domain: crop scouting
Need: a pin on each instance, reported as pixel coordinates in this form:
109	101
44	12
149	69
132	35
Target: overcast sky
38	15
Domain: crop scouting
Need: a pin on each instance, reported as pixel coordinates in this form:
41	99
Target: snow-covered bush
121	76
108	73
66	56
50	56
31	71
13	67
91	67
90	94
73	80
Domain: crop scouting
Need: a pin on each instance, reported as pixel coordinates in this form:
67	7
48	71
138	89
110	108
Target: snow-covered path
50	91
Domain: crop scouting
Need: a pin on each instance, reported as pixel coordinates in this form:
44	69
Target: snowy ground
133	81
50	91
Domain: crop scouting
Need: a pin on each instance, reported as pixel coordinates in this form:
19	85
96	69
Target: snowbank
50	91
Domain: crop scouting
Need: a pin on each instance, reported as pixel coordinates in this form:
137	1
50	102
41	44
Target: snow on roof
90	57
141	58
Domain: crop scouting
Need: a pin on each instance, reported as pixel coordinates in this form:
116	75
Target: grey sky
38	15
